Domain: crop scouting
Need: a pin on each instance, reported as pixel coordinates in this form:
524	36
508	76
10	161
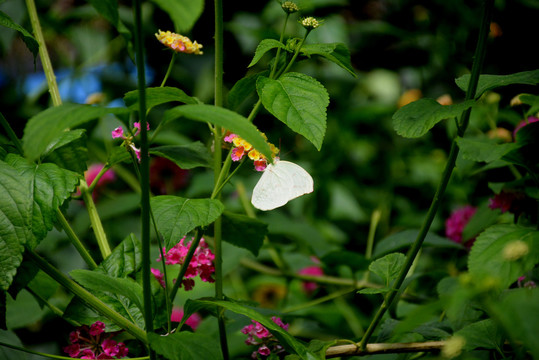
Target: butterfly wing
280	183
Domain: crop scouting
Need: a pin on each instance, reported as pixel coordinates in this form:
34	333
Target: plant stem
352	349
279	49
44	54
95	220
295	55
436	201
75	240
144	171
86	296
169	70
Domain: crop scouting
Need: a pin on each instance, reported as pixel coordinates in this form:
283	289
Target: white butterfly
281	182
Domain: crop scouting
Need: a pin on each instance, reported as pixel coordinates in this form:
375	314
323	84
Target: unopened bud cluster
289	7
310	23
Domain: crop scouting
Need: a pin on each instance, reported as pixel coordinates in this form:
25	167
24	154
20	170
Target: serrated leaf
42	129
285	339
69	151
484	150
243	231
334	52
176	216
185	156
184	345
30	42
487	257
265	46
125	259
157	96
417	118
388	267
242	89
299	101
183	13
222	117
490	82
483	334
406	238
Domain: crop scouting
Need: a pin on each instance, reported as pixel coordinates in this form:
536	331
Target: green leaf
406	238
299	101
244	232
285	339
69	151
334	52
222	117
125	259
108	9
482	219
490	82
29	40
157	96
372	291
388	267
185	156
265	46
184	13
42	130
483	334
9	337
176	216
184	345
488	257
417	118
518	312
242	89
97	281
484	150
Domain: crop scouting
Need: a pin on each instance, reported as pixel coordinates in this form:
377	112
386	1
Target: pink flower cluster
118	133
201	263
242	147
259	336
94	343
457	221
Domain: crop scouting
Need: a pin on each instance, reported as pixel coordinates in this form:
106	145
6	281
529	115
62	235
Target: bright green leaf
299	101
417	118
184	13
29	40
185	156
222	117
125	259
483	150
334	52
490	82
388	267
184	345
176	216
157	96
265	46
69	151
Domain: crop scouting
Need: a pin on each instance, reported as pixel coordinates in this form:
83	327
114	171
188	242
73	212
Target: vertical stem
43	53
99	232
75	240
479	58
144	172
279	49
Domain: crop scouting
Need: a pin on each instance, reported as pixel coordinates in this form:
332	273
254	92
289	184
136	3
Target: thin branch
382	348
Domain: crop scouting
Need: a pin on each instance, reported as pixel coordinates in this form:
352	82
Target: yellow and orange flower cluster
242	147
179	43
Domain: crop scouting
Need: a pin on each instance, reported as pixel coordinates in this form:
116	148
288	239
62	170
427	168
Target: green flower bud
310	23
289	7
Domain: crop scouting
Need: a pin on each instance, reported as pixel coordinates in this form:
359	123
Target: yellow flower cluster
242	147
179	43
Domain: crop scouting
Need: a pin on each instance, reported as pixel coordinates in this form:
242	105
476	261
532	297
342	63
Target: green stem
95	220
436	201
75	240
186	262
87	297
295	55
144	171
169	70
43	53
375	219
102	172
11	134
279	49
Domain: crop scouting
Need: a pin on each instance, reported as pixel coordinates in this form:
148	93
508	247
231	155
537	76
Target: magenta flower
313	270
193	321
118	133
128	140
259	336
457	221
92	342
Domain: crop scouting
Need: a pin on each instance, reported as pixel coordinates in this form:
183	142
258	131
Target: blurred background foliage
401	50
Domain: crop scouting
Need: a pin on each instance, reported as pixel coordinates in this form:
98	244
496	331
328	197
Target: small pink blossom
258	335
313	270
264	350
237	153
159	276
92	342
118	133
230	137
97	328
261	164
457	221
137	127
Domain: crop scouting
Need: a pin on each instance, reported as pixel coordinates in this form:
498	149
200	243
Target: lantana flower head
242	147
118	133
201	263
92	342
179	43
258	335
457	221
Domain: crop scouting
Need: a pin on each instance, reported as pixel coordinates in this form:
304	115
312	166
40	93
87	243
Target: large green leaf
489	255
9	337
157	96
176	216
388	268
299	101
490	82
265	46
184	13
185	156
125	259
406	238
29	40
483	150
334	52
483	334
69	151
243	89
43	130
285	339
417	118
222	117
184	345
30	196
244	232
